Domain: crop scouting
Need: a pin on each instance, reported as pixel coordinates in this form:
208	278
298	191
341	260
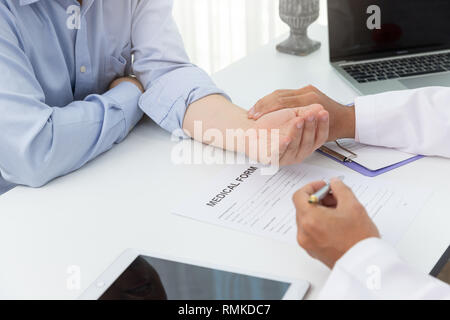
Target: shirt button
83	69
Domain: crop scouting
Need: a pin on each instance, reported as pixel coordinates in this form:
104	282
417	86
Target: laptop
385	45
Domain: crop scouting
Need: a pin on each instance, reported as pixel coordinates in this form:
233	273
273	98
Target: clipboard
349	163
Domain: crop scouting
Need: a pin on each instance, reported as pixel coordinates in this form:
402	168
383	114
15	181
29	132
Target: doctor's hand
301	132
342	118
327	231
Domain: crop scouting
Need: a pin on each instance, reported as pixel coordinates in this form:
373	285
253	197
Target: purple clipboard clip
369	173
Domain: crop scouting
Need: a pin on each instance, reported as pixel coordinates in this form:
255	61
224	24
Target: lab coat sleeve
415	121
372	269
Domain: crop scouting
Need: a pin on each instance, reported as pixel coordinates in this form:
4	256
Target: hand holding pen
322	193
331	220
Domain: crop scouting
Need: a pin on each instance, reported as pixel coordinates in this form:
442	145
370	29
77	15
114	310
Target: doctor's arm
39	142
341	235
415	121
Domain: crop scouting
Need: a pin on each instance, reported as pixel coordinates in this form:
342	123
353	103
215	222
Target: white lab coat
415	121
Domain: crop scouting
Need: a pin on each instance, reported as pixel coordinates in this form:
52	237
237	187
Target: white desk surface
124	198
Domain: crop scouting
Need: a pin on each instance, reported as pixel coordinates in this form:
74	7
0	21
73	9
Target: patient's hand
342	118
133	80
301	132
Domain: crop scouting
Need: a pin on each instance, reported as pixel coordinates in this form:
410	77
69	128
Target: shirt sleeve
39	142
372	269
415	121
172	83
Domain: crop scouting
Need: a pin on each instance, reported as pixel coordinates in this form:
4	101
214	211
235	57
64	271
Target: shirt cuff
126	96
167	100
366	122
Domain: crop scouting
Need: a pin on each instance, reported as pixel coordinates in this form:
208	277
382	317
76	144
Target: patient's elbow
35	181
35	176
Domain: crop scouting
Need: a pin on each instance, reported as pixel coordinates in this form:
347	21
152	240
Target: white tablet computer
138	275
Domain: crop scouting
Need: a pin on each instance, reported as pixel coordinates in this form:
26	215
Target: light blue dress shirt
56	66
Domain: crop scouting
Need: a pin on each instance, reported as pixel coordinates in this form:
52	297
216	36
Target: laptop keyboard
399	68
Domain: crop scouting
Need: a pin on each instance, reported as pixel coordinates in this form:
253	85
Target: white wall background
219	32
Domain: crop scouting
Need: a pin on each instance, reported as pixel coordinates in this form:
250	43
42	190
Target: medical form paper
241	198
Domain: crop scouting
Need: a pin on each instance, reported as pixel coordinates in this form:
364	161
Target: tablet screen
157	279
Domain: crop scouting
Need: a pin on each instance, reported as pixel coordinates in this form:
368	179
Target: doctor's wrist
345	124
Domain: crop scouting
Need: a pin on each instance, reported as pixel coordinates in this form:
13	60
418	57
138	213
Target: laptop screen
367	29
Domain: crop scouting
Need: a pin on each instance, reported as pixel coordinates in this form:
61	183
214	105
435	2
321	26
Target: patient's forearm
282	137
213	114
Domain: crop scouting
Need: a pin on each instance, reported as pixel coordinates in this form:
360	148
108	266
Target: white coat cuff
364	254
366	122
